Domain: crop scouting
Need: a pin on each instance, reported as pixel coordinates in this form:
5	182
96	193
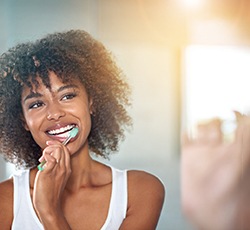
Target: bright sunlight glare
216	82
192	3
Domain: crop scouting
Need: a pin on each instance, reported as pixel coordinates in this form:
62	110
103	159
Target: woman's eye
36	104
69	96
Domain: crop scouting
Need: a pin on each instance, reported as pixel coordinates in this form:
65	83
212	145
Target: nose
55	112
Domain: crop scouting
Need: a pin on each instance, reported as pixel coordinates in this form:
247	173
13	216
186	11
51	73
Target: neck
82	167
85	173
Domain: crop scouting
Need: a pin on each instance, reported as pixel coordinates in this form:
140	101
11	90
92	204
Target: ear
91	107
24	124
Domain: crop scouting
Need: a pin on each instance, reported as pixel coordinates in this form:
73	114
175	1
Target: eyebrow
38	95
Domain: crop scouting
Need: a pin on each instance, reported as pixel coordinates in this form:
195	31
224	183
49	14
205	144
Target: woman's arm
145	200
49	185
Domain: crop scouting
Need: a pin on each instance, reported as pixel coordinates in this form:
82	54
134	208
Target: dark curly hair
73	54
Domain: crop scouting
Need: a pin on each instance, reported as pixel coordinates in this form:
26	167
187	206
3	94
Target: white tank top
26	218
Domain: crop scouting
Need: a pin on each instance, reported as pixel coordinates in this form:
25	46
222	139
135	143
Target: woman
47	88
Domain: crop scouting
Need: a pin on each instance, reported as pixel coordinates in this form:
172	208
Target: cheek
80	111
86	121
31	124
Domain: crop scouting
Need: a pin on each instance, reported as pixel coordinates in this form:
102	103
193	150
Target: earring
92	113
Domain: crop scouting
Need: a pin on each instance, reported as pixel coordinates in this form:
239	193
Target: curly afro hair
70	55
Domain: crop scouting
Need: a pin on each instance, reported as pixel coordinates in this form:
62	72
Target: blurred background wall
149	40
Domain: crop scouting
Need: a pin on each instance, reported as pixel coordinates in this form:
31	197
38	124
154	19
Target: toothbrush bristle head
73	132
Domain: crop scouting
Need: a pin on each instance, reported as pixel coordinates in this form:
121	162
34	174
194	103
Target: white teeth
64	135
61	130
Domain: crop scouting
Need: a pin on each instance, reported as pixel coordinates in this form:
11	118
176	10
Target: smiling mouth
62	132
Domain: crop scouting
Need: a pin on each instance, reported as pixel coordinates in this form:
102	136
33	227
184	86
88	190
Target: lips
60	130
60	133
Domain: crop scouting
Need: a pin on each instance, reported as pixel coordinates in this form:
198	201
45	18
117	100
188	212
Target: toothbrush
71	135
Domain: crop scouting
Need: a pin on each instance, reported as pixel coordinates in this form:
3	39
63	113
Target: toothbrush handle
66	141
40	166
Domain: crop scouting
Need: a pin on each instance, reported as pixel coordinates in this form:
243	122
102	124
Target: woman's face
50	114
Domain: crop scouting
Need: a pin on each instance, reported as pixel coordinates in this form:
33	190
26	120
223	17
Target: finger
238	115
55	151
61	153
51	162
41	159
242	126
59	145
52	142
209	132
67	158
246	144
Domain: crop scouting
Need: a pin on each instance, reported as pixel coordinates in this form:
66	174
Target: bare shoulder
141	181
6	203
6	192
146	195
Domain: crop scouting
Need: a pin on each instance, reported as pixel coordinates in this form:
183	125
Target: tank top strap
119	200
24	214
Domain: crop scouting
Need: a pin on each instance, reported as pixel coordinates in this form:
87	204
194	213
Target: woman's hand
215	177
50	183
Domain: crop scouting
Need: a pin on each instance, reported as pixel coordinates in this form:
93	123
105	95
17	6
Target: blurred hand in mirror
215	176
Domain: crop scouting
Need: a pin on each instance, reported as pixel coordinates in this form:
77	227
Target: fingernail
40	159
48	142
